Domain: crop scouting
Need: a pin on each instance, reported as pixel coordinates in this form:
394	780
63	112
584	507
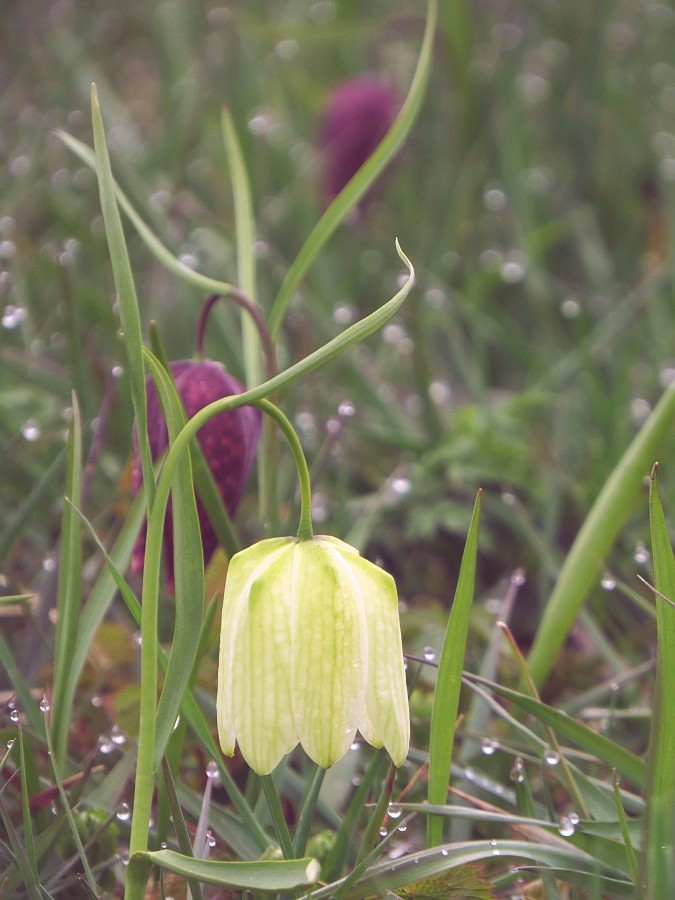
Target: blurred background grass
535	197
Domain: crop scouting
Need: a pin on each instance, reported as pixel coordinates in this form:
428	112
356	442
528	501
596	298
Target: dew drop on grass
393	811
346	409
14	714
489	746
105	745
517	773
10	743
383	832
117	736
574	818
13	316
212	771
429	654
566	826
551	758
641	555
444	852
210	839
44	704
608	583
163	845
403	827
30	430
123	812
49	564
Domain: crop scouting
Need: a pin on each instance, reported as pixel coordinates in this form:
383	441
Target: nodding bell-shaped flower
229	442
357	116
310	651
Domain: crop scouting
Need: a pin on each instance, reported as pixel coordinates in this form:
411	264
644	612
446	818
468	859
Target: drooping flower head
229	442
358	114
310	651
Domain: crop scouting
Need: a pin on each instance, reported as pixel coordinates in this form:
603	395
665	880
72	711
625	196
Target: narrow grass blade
188	571
266	876
91	881
69	587
33	501
449	680
660	837
625	832
179	824
126	292
350	195
606	750
610	511
25	807
154	245
29	880
394	874
245	238
99	600
16	679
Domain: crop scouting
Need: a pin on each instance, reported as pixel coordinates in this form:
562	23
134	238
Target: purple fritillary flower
229	442
358	114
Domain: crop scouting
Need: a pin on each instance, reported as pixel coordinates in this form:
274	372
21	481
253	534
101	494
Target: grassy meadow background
535	196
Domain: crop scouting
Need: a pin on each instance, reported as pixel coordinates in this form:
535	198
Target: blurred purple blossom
357	116
229	442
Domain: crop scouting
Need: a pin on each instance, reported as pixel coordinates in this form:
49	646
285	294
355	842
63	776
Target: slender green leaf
660	838
350	195
126	292
69	587
266	876
19	684
625	830
100	598
179	823
583	563
29	880
25	807
245	235
33	501
394	874
154	245
606	750
449	680
188	571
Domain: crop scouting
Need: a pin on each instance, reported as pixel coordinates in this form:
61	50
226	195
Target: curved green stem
305	531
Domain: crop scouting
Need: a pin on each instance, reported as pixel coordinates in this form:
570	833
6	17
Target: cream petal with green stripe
330	652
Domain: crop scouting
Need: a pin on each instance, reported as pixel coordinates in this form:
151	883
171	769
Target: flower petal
330	662
387	719
253	703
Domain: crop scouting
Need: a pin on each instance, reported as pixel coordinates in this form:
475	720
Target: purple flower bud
229	442
357	116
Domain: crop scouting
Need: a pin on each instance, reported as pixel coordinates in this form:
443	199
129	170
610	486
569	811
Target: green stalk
278	820
307	812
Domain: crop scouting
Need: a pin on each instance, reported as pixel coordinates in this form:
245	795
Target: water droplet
344	314
640	408
123	812
30	430
489	746
494	199
10	743
13	316
444	852
117	736
570	308
429	654
212	771
355	745
469	773
346	409
513	270
574	818
14	715
123	858
641	555
517	773
383	831
551	758
495	851
566	826
176	723
210	839
105	745
403	827
117	371
518	578
163	845
49	564
44	704
608	583
394	812
400	486
96	701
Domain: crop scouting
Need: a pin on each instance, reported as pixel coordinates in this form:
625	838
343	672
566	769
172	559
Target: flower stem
280	825
307	812
305	531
